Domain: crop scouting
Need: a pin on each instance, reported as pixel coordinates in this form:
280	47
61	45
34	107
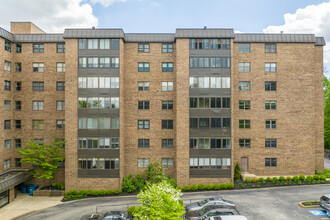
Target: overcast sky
153	16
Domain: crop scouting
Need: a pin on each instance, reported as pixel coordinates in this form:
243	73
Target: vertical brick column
182	112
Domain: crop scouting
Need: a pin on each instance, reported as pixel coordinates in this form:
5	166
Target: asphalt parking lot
257	204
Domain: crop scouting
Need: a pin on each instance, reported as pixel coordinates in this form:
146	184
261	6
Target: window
114	62
143	48
18	48
215	122
38	124
18	162
193	63
7	124
18	124
18	143
270	86
143	105
244	67
225	44
209	82
215	44
104	62
18	67
114	123
270	67
244	48
207	143
215	62
167	104
82	43
18	86
204	62
226	122
244	86
92	44
7	65
6	105
38	105
98	163
270	48
143	124
193	123
60	105
8	45
114	44
143	67
167	67
244	104
204	163
93	62
82	62
143	143
225	102
270	104
167	48
246	124
204	44
38	67
60	124
270	124
270	162
6	165
225	62
270	143
38	141
60	86
7	85
167	143
102	143
244	143
38	48
204	123
167	124
18	105
104	44
38	86
60	48
167	162
167	86
60	67
143	162
7	144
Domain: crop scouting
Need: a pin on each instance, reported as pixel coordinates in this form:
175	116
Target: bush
179	188
308	203
258	186
194	187
288	178
261	179
209	187
230	186
295	178
237	171
223	186
252	186
103	192
90	192
216	186
254	179
58	185
186	188
155	172
171	180
109	192
282	178
316	177
96	192
116	191
299	182
309	178
327	175
82	192
139	181
302	177
322	177
128	184
131	209
275	178
269	179
247	180
285	183
201	187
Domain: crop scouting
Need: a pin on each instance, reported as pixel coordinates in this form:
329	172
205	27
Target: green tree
326	112
46	158
155	172
159	201
237	171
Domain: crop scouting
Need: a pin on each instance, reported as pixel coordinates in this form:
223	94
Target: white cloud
154	4
314	19
106	3
49	15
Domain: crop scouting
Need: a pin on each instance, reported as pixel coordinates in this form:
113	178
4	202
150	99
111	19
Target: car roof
327	195
230	217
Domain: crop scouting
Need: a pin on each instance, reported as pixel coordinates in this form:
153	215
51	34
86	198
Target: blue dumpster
31	189
23	189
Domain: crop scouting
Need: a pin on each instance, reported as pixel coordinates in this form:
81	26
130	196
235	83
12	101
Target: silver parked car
209	201
227	217
325	202
211	210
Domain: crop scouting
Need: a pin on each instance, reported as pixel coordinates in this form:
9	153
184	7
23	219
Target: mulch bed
50	187
313	203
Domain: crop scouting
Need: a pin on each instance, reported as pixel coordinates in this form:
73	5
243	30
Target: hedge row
74	194
282	178
201	187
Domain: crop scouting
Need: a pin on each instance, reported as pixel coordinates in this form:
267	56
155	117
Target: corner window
60	86
7	85
18	48
7	65
60	48
60	67
8	45
167	48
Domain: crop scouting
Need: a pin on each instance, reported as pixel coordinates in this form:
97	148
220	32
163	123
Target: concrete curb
310	206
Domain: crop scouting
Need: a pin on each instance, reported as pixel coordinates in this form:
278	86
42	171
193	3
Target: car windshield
204	210
203	202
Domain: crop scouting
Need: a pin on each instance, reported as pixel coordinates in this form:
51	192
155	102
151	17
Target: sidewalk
25	204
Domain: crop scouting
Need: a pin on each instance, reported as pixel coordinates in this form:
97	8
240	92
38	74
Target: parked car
325	203
115	215
209	201
211	210
227	217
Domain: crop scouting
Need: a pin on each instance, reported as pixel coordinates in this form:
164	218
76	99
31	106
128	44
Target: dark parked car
227	217
211	210
115	215
209	201
325	203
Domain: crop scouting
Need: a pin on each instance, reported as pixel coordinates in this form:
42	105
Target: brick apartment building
198	100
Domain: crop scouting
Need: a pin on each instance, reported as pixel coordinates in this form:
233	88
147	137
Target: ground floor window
4	198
